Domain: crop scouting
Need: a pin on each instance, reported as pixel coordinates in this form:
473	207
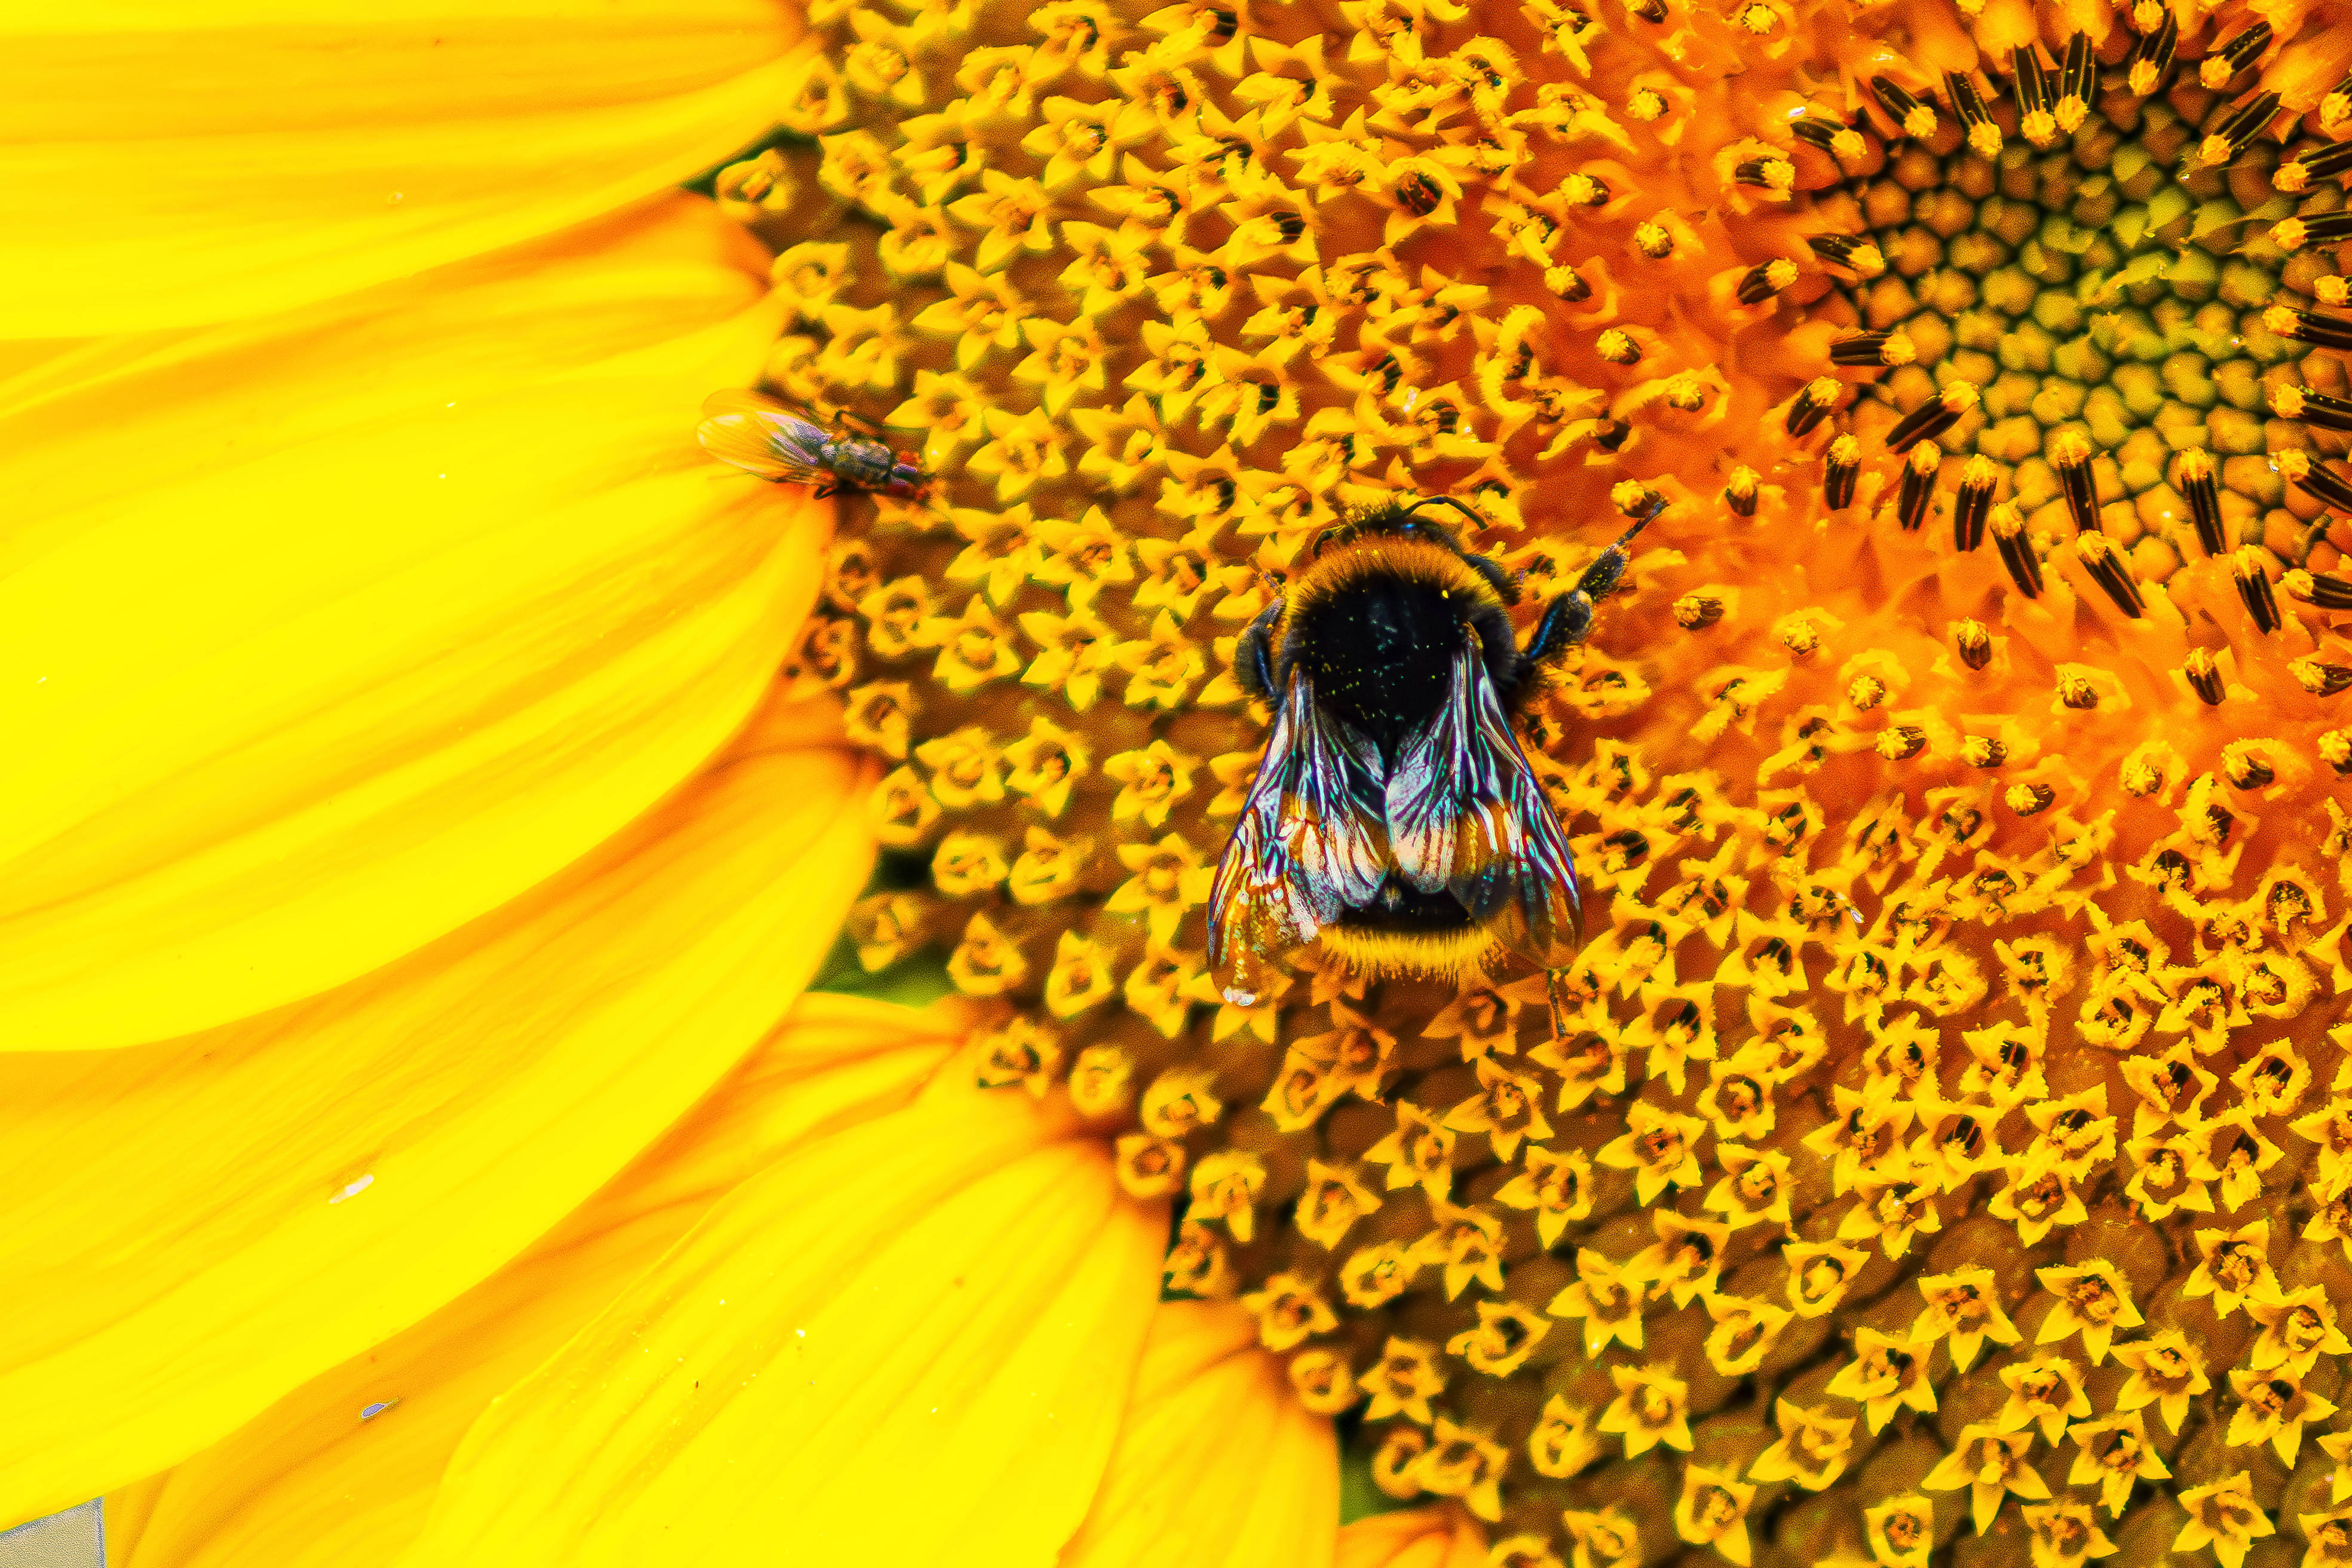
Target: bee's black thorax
1375	625
1381	649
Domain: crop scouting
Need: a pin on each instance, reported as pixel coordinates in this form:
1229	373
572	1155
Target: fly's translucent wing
764	436
1306	847
1467	813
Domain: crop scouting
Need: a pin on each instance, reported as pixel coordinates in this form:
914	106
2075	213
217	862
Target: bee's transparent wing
764	437
1309	844
1332	808
1465	813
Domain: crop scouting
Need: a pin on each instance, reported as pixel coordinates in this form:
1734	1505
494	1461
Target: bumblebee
1394	815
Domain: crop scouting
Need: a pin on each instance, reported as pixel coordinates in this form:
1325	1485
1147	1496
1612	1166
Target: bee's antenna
1476	519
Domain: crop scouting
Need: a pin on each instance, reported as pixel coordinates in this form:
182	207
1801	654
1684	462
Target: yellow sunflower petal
912	1341
197	1227
1218	1464
1418	1538
318	1481
164	166
319	637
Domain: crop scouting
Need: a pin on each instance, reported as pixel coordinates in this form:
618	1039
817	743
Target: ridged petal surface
321	636
163	164
197	1227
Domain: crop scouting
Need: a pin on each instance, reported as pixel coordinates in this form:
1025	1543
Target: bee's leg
829	487
1568	620
1254	654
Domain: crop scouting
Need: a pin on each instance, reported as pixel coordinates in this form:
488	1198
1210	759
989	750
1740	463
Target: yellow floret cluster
1943	1139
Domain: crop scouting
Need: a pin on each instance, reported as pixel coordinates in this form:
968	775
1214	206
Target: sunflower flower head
1941	1120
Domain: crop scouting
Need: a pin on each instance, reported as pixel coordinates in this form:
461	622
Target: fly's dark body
860	462
1394	815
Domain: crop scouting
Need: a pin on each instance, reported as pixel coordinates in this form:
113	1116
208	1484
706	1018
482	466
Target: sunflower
1943	1128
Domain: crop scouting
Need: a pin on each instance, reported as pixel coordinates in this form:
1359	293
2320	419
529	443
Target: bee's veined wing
769	438
1467	813
1255	908
1307	846
1333	808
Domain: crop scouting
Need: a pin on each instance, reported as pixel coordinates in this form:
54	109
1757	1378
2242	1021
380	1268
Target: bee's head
1398	517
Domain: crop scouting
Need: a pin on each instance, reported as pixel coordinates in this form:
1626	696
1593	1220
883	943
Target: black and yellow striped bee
1394	815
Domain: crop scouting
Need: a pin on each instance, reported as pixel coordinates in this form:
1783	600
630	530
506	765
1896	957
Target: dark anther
2071	453
1817	132
1932	418
1696	611
2315	588
2321	483
2016	550
2237	133
2309	406
1763	280
2078	77
2029	80
2204	501
1864	348
2152	56
1901	744
1918	493
2320	228
2029	799
2317	165
2203	675
1911	117
1740	493
1967	101
1973	644
1811	405
1977	482
2234	55
2308	327
2321	679
1419	195
2108	569
1842	472
2254	588
1839	249
2247	770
